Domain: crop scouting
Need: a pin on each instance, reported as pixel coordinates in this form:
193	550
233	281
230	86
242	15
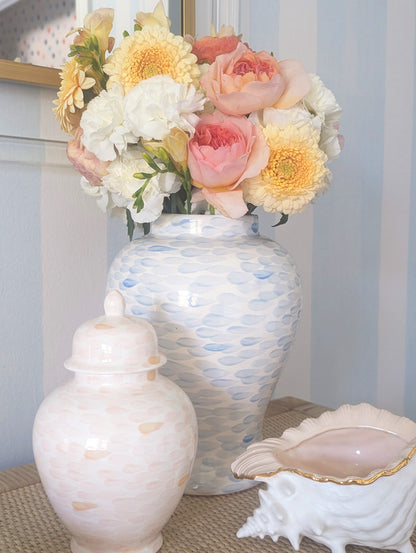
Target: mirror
47	76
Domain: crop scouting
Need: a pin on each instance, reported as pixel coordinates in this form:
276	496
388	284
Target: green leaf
283	220
96	65
126	34
94	42
151	162
139	203
79	48
185	177
164	156
130	224
179	203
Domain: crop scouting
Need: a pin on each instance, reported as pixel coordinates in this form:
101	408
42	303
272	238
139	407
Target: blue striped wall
410	375
53	262
355	247
351	44
21	351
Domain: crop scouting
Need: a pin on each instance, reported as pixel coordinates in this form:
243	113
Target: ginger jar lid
115	343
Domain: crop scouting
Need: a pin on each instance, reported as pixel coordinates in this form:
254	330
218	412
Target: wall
355	248
53	244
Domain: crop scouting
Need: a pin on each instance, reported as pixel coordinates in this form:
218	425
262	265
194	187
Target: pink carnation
85	162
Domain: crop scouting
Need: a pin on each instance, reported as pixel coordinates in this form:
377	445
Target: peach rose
207	48
244	81
223	152
297	83
85	162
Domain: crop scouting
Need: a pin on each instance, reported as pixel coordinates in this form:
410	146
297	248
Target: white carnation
321	102
100	193
157	189
120	180
281	118
121	183
102	123
157	105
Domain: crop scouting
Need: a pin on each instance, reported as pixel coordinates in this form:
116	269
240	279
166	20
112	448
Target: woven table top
200	524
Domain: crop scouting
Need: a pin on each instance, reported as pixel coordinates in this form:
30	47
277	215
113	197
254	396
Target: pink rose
223	152
244	81
85	162
230	204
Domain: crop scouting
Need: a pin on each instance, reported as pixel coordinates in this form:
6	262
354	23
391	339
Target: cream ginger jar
115	445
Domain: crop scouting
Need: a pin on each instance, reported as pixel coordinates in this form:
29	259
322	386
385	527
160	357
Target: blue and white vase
225	304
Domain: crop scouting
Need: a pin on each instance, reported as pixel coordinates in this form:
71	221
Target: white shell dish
347	477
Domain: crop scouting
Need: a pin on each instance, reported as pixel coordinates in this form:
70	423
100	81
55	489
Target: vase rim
204	215
209	226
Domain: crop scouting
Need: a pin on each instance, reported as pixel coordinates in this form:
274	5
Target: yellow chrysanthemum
70	94
295	173
149	52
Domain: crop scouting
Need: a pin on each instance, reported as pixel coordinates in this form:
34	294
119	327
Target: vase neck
112	380
208	226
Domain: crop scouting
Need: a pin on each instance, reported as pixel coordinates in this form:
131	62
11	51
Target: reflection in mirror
43	25
34	31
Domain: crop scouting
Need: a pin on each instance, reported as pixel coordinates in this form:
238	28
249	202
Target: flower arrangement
164	123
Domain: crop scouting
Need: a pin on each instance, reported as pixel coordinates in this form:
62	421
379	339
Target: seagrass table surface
200	524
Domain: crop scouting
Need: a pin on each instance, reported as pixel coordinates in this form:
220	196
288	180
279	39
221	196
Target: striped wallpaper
355	248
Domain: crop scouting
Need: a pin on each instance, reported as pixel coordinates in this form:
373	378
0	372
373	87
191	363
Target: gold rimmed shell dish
347	477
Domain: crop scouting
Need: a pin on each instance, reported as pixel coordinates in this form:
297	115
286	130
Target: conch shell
347	477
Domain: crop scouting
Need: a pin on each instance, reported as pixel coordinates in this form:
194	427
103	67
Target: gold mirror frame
47	76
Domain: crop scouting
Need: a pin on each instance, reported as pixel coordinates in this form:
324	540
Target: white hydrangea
102	123
121	183
321	102
157	105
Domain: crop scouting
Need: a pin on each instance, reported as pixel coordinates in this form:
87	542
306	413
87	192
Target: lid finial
114	304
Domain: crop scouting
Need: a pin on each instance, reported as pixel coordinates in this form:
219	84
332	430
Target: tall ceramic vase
225	304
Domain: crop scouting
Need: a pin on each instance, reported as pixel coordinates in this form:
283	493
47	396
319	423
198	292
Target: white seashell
347	477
